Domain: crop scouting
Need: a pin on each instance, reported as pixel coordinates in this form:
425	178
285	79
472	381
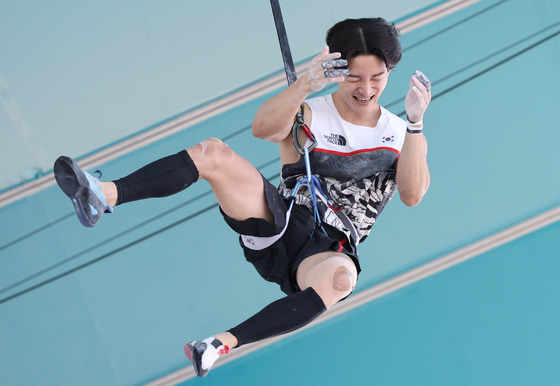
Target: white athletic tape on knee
342	279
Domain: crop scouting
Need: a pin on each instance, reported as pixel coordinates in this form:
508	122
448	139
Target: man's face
362	88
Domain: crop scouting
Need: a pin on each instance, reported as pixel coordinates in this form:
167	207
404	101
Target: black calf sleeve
280	317
160	178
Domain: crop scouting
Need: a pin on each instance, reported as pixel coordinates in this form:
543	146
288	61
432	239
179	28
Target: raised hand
325	69
418	97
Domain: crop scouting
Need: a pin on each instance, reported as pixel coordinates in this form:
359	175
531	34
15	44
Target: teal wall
114	304
77	76
489	321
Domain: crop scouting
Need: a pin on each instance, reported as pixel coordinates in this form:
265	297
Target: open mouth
364	100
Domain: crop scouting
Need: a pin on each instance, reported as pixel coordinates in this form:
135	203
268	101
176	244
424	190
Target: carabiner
300	124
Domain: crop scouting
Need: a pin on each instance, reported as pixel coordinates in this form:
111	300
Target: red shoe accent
223	351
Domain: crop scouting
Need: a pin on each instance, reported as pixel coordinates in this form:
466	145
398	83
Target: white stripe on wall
210	110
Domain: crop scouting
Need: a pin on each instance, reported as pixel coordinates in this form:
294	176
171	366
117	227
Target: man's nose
366	87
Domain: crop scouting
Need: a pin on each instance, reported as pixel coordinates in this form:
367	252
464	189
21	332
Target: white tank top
355	164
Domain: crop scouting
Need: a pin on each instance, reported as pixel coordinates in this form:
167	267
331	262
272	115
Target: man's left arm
413	175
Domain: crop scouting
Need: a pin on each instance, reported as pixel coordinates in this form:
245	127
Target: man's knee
342	280
211	156
216	149
335	279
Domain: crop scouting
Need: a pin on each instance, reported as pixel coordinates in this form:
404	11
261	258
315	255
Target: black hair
367	36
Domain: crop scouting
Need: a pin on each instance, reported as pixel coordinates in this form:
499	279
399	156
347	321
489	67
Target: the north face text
336	139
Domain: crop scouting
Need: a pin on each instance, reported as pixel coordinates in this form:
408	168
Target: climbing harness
323	208
311	181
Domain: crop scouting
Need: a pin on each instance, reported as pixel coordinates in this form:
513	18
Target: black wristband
420	131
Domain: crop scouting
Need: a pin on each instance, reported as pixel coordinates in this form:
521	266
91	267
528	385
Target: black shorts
278	262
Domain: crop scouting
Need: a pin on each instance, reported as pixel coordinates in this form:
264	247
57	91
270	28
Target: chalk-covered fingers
418	97
423	79
326	68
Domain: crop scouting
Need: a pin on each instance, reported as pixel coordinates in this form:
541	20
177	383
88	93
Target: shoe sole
196	358
74	183
188	351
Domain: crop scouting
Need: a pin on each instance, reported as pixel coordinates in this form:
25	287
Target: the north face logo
336	139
